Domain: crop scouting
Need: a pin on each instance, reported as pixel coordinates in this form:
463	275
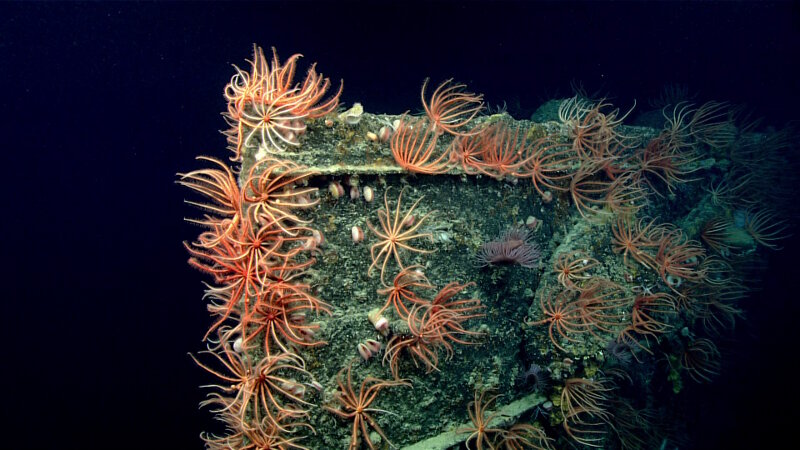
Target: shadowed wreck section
353	252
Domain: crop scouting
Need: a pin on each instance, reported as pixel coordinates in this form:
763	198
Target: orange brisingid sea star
395	233
356	406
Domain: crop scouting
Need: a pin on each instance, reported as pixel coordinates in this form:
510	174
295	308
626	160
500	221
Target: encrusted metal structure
354	246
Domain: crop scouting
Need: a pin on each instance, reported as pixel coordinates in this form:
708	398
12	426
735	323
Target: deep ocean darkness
103	103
